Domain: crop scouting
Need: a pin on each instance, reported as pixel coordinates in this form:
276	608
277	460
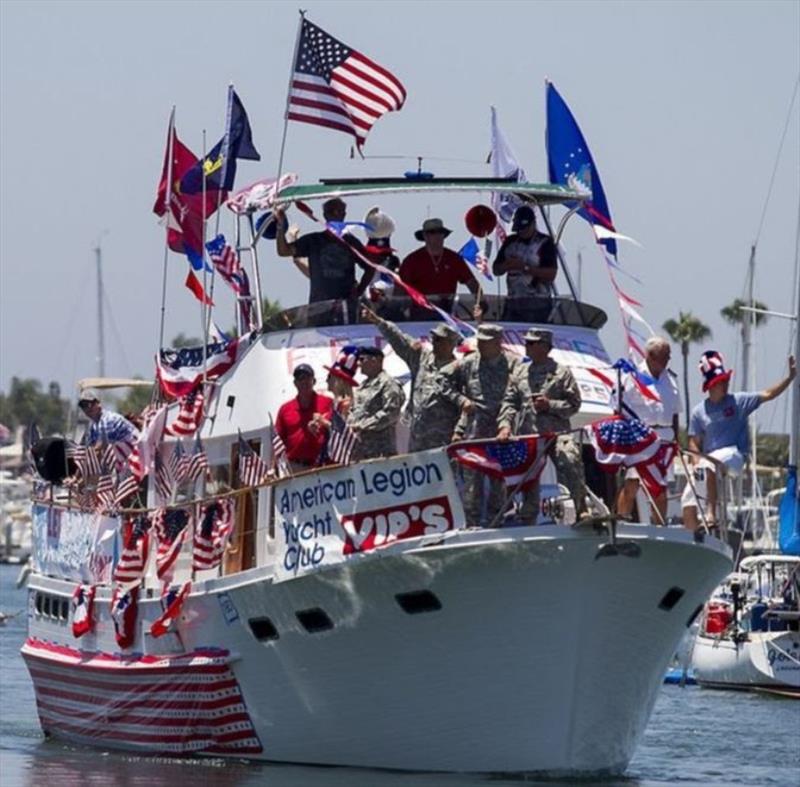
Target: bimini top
538	193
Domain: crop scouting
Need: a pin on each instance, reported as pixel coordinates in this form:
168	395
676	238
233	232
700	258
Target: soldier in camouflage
481	382
541	397
434	407
376	408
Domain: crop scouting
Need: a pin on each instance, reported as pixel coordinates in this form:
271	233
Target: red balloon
480	220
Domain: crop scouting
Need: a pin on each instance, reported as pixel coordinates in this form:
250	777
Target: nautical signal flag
218	168
337	87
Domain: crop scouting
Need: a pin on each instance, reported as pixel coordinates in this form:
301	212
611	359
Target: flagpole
168	214
256	273
226	147
288	96
204	317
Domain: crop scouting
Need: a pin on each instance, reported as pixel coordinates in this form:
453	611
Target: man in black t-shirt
331	264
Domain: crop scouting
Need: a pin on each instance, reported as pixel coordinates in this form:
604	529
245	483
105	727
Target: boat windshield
496	308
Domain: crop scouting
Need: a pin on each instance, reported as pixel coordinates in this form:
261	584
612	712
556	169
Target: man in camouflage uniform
434	406
541	397
376	408
481	382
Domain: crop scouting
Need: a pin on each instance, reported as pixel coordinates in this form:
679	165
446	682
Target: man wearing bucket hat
433	407
528	259
376	408
541	397
480	383
434	269
718	428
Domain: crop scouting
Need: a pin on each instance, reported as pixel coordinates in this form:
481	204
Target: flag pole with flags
289	96
168	216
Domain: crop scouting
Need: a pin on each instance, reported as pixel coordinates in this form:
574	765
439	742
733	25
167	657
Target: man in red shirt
298	421
433	269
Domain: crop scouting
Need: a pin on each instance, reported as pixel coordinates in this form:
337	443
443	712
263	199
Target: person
541	397
661	413
434	410
341	379
434	269
527	257
376	408
105	426
331	264
718	428
298	421
380	227
481	383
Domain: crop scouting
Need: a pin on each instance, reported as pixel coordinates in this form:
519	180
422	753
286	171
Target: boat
356	618
749	637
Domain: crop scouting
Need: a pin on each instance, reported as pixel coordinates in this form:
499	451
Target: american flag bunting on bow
654	473
252	470
518	462
124	604
82	610
172	601
133	560
339	88
198	462
211	533
190	415
341	440
170	526
622	441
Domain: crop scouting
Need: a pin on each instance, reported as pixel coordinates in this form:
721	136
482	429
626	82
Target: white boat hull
766	661
542	658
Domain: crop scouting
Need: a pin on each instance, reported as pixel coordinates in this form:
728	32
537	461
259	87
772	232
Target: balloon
480	220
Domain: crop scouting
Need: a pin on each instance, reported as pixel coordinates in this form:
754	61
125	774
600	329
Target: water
695	736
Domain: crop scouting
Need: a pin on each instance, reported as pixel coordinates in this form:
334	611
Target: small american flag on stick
341	440
198	464
252	470
211	533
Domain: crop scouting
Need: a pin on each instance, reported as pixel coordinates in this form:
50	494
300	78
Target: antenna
101	339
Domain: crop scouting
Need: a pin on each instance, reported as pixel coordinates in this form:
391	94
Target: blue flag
470	252
219	165
789	516
571	164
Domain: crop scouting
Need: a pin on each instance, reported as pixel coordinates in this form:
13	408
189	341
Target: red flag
185	219
193	283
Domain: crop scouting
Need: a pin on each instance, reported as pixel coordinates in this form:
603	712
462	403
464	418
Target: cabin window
314	620
418	601
263	629
671	598
46	606
38	603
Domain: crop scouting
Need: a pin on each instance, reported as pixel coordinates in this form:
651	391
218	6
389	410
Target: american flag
126	486
519	461
341	440
105	492
123	450
177	704
90	466
163	479
655	472
622	441
123	613
211	533
279	459
133	559
170	529
108	457
171	603
252	470
179	464
190	415
198	463
336	87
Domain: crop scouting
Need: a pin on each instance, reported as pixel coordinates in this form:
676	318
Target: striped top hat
712	367
346	364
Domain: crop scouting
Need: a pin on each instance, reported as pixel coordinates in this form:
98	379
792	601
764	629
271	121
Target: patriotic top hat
712	367
346	365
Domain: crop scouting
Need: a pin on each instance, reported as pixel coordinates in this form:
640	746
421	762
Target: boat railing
555	310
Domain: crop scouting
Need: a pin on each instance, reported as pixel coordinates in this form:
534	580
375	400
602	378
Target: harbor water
695	736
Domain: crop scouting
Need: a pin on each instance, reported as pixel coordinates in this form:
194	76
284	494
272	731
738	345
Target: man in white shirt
662	414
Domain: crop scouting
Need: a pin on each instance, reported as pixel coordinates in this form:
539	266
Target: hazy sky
683	105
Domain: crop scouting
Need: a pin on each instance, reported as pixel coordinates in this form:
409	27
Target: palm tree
734	315
686	330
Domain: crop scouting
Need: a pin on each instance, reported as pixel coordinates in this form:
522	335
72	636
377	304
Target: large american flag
133	560
190	414
181	703
211	533
336	87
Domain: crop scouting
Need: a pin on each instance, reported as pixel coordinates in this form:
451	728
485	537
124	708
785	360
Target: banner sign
74	545
333	515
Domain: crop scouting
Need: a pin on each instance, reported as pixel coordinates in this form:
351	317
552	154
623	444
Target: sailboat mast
794	435
101	342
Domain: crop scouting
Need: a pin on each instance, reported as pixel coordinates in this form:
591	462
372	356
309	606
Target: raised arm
282	246
768	394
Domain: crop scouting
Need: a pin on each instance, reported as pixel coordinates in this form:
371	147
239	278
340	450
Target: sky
684	106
